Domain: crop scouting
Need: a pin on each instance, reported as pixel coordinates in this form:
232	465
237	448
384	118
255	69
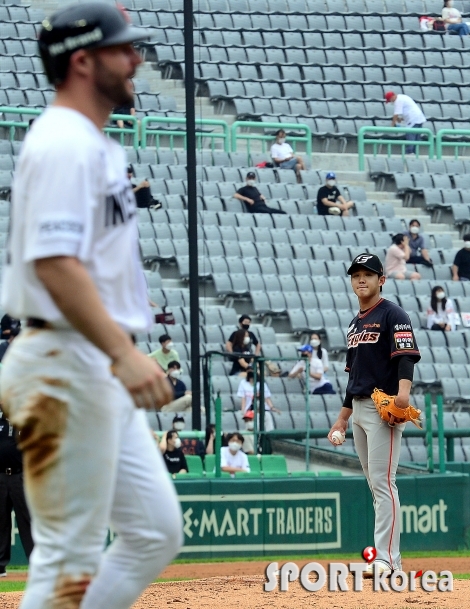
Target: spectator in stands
10	328
124	109
189	446
461	266
246	391
182	397
453	19
283	155
406	113
249	441
232	458
210	439
254	201
241	344
244	324
173	455
142	192
330	200
419	254
318	383
441	313
397	256
166	353
319	351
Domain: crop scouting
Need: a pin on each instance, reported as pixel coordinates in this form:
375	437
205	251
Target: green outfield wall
276	516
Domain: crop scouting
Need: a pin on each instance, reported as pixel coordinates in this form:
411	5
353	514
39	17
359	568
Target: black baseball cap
367	261
251	175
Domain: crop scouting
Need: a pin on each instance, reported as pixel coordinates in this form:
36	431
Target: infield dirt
240	584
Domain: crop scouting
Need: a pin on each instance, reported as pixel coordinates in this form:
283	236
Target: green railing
362	141
440	143
249	136
14	124
132	131
148	131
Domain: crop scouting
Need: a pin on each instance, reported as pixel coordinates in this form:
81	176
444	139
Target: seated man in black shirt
330	200
173	455
244	323
182	397
254	201
461	265
143	195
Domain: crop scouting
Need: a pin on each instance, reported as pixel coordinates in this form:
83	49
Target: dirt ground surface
241	584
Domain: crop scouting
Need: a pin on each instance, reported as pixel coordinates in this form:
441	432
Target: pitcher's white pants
378	448
90	461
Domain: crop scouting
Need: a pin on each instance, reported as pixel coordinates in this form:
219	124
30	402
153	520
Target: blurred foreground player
73	382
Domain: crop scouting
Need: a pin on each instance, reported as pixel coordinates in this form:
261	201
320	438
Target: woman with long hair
441	313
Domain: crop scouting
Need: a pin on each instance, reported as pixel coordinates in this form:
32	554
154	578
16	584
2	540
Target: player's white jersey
73	198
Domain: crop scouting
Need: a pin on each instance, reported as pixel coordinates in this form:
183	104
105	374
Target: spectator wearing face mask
419	254
320	352
398	254
330	200
232	458
241	345
441	313
318	383
182	397
246	391
461	266
244	323
249	441
254	201
173	455
166	353
283	155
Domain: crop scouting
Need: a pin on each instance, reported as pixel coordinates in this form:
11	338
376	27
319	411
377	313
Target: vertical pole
428	410
440	434
192	212
218	433
307	414
261	404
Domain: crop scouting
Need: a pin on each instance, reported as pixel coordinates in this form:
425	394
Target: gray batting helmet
91	25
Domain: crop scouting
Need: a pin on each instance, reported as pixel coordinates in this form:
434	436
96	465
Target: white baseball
338	437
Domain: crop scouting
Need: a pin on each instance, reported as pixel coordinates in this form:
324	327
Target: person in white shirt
246	391
318	383
406	113
232	458
453	19
318	351
283	155
73	383
441	313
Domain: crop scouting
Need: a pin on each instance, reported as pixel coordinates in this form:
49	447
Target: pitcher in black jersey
382	352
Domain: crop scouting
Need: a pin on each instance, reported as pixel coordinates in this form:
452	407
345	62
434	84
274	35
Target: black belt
42	324
361	397
9	471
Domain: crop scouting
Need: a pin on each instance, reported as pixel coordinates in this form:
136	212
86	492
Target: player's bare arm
75	294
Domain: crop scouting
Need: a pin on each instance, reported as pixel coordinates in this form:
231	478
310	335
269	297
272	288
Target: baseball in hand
338	437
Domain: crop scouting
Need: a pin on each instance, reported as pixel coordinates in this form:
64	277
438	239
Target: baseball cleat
380	566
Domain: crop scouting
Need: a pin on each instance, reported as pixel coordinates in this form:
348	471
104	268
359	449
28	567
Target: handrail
440	143
250	136
122	131
361	141
147	131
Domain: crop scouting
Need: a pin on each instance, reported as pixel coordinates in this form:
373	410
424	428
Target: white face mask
440	295
178	426
330	182
251	182
281	140
414	230
315	342
246	340
177	443
249	425
175	373
170	345
234	446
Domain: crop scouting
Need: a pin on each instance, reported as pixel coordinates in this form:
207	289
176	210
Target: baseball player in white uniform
73	382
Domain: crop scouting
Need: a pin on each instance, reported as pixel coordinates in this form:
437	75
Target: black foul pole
192	210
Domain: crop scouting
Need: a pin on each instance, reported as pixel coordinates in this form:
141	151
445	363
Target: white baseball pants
90	462
378	448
